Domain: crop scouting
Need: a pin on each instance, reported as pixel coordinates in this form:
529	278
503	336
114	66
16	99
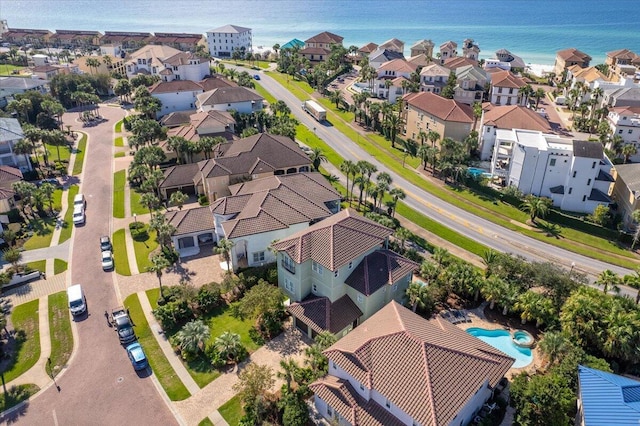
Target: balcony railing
288	267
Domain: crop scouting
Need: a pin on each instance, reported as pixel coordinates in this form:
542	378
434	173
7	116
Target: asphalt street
467	224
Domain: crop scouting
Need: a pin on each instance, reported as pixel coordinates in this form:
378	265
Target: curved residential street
99	387
467	224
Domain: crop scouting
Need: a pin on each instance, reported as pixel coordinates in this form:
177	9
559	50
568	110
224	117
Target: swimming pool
501	340
476	172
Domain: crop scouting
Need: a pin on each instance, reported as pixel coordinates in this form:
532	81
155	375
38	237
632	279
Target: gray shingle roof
228	95
630	175
180	175
10	129
396	350
380	268
587	149
322	315
191	220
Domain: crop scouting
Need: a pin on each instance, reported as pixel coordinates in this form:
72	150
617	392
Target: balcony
288	267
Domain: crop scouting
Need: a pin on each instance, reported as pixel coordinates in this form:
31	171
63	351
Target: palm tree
539	94
336	97
317	157
433	137
47	189
158	264
224	249
492	288
229	346
178	199
193	336
609	280
489	258
150	201
393	123
349	169
13	256
164	230
628	150
93	64
477	113
418	295
536	206
396	194
636	235
554	345
403	234
289	371
178	145
508	297
632	281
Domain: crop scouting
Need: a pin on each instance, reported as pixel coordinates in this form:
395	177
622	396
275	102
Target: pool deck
478	319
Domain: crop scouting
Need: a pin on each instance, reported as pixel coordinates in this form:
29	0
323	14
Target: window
620	131
387	404
361	387
287	263
329	411
570	190
350	265
574	173
593	165
288	285
395	288
336	273
360	299
314	288
584	198
316	267
589	182
630	131
258	256
552	162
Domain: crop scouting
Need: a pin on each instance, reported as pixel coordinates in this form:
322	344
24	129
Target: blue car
256	77
137	357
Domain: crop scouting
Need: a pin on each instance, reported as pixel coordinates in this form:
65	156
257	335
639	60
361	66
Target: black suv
105	244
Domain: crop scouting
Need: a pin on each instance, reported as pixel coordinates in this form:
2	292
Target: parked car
137	357
105	244
256	77
78	215
107	260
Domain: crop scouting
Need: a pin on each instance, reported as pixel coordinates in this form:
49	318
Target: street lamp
51	373
573	265
135	218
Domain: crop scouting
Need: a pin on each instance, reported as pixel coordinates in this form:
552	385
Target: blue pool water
476	172
501	340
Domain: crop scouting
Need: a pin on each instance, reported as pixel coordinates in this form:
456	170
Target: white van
77	301
78	215
79	200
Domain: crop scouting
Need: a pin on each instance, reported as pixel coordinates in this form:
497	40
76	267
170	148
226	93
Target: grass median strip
232	411
119	141
16	394
60	330
119	181
80	151
121	260
67	225
59	266
27	340
171	383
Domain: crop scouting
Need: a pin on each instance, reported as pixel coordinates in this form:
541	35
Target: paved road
467	224
100	387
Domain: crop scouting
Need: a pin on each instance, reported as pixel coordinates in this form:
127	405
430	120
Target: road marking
55	418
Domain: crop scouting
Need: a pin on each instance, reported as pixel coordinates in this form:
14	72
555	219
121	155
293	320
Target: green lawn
40	265
80	151
60	329
206	422
59	266
120	247
42	233
118	127
119	141
65	153
67	226
6	69
232	411
136	207
144	248
27	333
165	374
119	154
259	64
119	181
17	394
152	295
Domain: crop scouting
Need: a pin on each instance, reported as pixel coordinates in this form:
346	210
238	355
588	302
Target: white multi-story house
589	77
225	40
625	122
506	117
168	63
339	272
505	89
177	95
391	74
575	174
399	369
382	56
240	99
433	78
10	134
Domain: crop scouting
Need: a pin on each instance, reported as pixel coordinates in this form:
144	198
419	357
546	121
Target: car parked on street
105	244
137	357
78	215
256	77
107	260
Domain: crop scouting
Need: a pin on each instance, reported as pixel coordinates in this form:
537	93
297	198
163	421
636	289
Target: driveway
100	386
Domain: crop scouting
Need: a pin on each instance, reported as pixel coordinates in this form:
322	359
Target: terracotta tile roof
213	117
228	95
181	58
420	60
393	44
626	110
423	44
573	55
322	315
435	70
176	38
443	366
587	149
191	220
398	65
449	44
589	74
175	86
325	37
457	62
180	175
174	119
155	53
444	109
8	176
335	241
515	117
380	268
507	79
315	51
622	54
368	48
275	202
344	399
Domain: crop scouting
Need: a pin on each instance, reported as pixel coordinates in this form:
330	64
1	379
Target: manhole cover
120	379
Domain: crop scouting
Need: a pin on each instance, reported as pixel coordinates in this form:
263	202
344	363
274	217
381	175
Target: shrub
133	226
173	314
256	336
217	361
209	297
203	200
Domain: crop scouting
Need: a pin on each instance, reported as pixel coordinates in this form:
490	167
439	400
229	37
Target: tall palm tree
289	371
492	288
228	345
536	206
539	94
317	157
609	280
477	113
433	137
150	201
633	281
554	345
158	264
224	249
422	135
178	199
336	97
418	295
393	123
508	297
396	194
349	169
628	150
403	234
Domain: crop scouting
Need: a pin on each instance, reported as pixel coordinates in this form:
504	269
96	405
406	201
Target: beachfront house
223	41
623	63
339	272
10	135
448	50
393	44
470	49
624	123
569	57
506	89
471	80
626	192
167	63
379	57
506	117
390	77
367	49
318	48
574	174
425	112
422	47
398	368
433	78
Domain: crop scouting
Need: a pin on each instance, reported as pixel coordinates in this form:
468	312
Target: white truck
313	108
123	325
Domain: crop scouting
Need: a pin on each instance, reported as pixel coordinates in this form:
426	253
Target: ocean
531	29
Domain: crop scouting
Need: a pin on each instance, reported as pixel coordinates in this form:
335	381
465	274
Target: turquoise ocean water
532	29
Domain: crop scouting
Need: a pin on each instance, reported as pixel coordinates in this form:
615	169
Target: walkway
36	289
